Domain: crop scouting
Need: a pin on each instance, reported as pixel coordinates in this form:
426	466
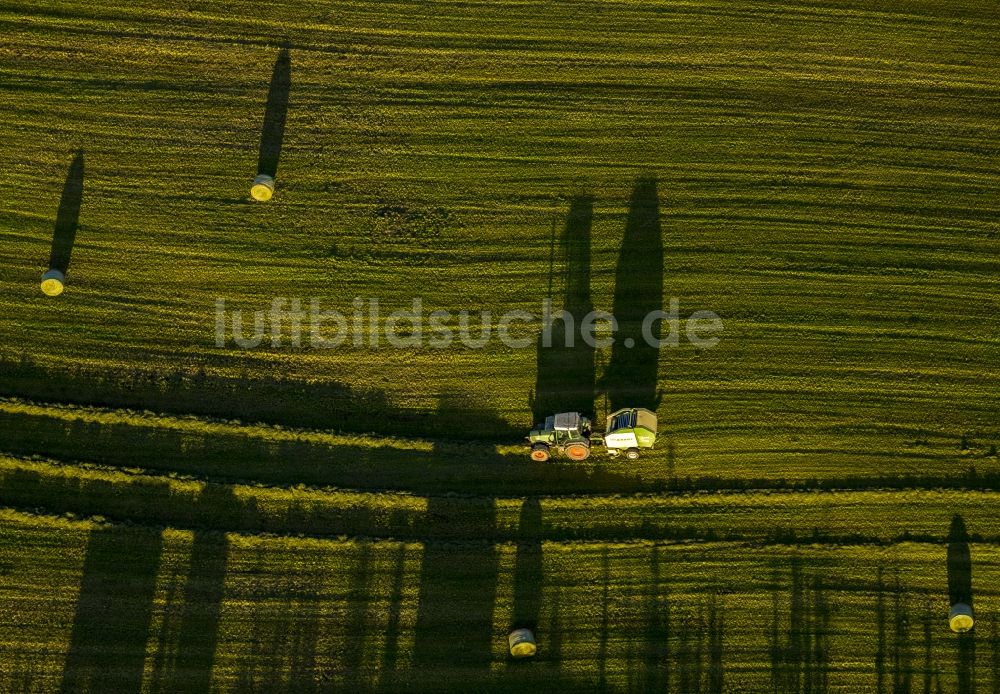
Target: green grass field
177	515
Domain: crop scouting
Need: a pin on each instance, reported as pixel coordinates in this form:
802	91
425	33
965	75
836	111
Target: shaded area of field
959	563
303	615
454	624
107	650
528	567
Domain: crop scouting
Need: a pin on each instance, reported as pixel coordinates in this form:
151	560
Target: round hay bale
53	283
522	643
961	618
262	188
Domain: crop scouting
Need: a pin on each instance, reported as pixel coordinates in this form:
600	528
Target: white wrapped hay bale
262	188
53	283
961	618
522	643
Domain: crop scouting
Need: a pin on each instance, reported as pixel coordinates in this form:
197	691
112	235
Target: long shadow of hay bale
272	133
959	563
528	567
960	591
68	216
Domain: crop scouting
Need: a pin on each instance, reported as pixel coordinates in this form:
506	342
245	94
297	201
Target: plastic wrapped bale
522	643
262	188
961	618
53	283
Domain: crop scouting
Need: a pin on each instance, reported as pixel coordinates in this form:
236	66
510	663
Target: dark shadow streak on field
458	576
966	644
108	644
926	625
273	131
358	596
284	644
554	627
880	622
716	630
632	376
959	563
960	590
995	653
458	580
566	376
902	658
690	657
800	658
657	656
201	603
698	653
602	643
393	631
68	216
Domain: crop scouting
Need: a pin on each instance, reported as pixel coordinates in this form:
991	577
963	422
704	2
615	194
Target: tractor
570	433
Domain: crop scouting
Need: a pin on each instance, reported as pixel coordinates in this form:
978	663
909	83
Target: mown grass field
180	516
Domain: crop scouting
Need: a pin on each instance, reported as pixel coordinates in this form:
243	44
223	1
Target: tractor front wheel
577	451
540	452
632	454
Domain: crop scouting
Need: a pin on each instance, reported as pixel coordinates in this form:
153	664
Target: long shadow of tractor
563	401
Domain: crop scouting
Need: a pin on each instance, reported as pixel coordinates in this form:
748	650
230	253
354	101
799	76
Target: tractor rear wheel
577	451
632	454
540	452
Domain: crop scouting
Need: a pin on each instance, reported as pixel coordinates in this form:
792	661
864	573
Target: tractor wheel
577	451
540	452
632	454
